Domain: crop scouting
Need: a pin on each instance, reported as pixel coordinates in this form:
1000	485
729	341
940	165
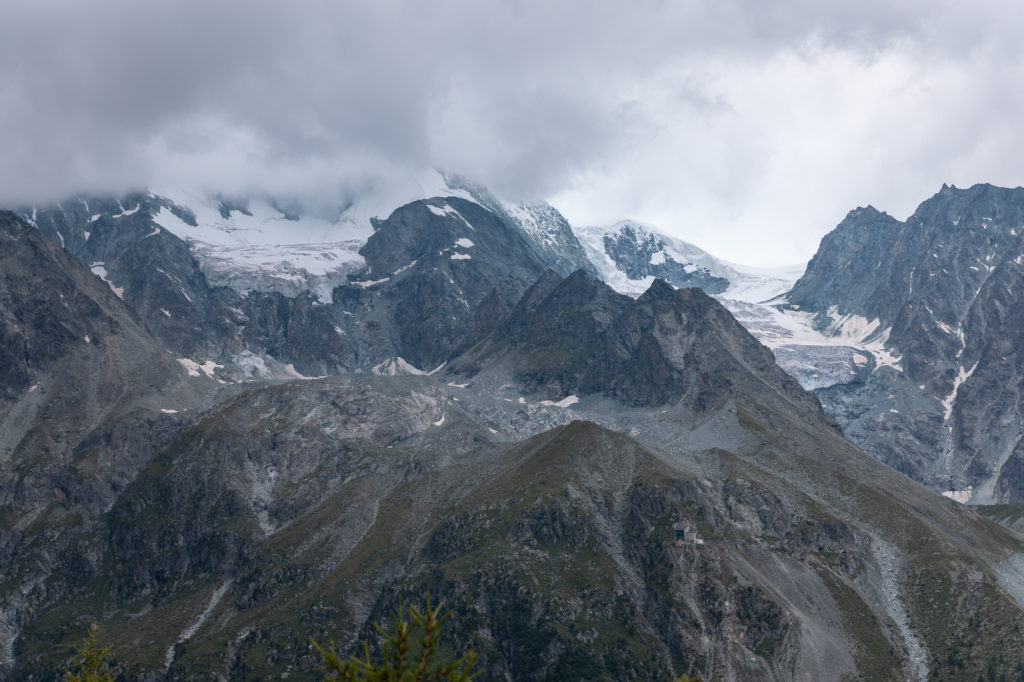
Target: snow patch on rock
98	268
948	401
293	373
194	369
961	496
396	366
125	213
568	401
444	210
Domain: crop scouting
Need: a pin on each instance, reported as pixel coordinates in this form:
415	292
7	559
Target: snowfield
264	247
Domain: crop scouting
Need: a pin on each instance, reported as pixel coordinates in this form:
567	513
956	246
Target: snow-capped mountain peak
629	255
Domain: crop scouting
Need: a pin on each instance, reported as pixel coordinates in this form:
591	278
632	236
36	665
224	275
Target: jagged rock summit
940	291
579	336
630	255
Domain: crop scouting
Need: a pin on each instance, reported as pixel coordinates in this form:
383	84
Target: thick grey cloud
744	126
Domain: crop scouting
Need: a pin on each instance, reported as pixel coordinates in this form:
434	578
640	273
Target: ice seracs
261	248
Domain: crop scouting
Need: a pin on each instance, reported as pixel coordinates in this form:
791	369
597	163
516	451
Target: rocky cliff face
578	336
440	273
87	396
159	277
940	291
75	359
145	265
544	227
854	270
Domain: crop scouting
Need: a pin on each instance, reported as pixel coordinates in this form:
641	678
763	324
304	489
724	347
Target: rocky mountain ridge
938	291
252	333
272	245
669	346
86	396
305	507
526	455
829	348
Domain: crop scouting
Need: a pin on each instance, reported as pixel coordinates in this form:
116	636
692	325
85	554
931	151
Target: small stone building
685	532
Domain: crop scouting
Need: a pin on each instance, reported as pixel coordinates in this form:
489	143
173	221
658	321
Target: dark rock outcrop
854	269
437	270
78	360
578	336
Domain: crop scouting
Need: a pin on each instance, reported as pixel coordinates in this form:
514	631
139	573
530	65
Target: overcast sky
747	127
